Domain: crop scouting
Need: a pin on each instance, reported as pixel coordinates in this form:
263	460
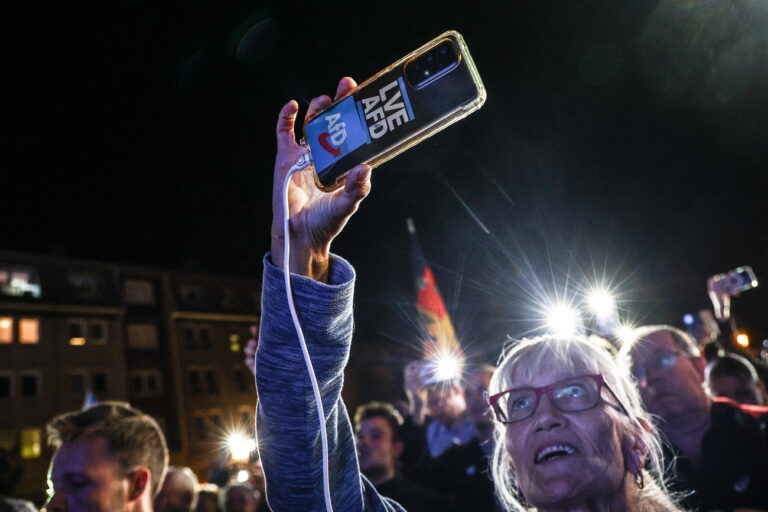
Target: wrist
305	260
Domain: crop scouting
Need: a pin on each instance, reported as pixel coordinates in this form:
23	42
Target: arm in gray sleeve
287	423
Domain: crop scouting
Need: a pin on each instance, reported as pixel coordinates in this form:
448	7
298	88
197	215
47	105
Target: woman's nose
547	416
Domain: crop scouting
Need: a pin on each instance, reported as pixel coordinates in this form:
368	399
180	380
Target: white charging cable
303	161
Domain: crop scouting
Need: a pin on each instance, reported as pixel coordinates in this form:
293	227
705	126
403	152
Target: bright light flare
443	364
242	476
563	320
688	319
625	333
742	340
601	303
240	446
447	367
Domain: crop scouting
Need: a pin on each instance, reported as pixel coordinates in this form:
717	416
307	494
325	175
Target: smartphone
414	98
734	281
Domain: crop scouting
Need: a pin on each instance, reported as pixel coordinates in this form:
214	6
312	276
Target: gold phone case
394	110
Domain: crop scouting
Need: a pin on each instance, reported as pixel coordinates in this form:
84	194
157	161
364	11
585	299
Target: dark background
622	142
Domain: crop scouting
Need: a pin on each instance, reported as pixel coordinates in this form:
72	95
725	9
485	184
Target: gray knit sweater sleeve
287	424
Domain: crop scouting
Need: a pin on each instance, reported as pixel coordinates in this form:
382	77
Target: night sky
622	141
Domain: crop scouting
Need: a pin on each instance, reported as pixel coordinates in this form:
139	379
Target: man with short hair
721	451
109	457
377	427
733	376
179	491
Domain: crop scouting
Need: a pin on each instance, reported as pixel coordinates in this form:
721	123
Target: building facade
170	343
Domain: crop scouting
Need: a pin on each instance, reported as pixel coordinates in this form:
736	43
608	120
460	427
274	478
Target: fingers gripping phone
414	98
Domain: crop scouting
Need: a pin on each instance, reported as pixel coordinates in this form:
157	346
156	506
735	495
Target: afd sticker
349	125
387	110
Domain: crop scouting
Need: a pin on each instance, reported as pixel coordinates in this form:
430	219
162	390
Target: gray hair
527	359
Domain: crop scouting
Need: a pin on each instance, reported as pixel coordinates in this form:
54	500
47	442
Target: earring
639	479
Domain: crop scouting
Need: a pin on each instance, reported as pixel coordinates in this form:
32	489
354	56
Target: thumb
356	187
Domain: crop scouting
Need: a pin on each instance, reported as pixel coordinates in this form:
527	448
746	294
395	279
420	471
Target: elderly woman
571	433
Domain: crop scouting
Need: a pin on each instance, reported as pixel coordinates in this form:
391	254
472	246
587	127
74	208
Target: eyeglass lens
570	395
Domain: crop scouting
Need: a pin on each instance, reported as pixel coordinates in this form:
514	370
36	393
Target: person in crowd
733	376
437	408
575	435
239	497
377	427
108	457
464	469
571	432
437	419
720	450
208	498
476	386
178	492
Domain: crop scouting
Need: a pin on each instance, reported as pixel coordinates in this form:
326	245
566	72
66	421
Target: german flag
439	338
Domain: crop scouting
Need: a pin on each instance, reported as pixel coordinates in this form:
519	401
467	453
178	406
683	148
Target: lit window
234	342
20	282
30	443
6	329
29	330
6	385
76	332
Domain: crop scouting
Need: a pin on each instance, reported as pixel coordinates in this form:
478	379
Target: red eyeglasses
576	393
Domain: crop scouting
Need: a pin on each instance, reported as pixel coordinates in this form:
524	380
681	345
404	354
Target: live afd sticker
349	125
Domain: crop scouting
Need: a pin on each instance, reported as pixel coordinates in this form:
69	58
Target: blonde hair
528	358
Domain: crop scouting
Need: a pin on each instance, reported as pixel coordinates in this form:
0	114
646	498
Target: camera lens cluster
431	64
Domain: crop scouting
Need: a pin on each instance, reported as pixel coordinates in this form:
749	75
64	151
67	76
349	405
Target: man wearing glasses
721	452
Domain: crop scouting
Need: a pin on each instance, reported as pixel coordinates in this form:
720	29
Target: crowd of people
561	423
